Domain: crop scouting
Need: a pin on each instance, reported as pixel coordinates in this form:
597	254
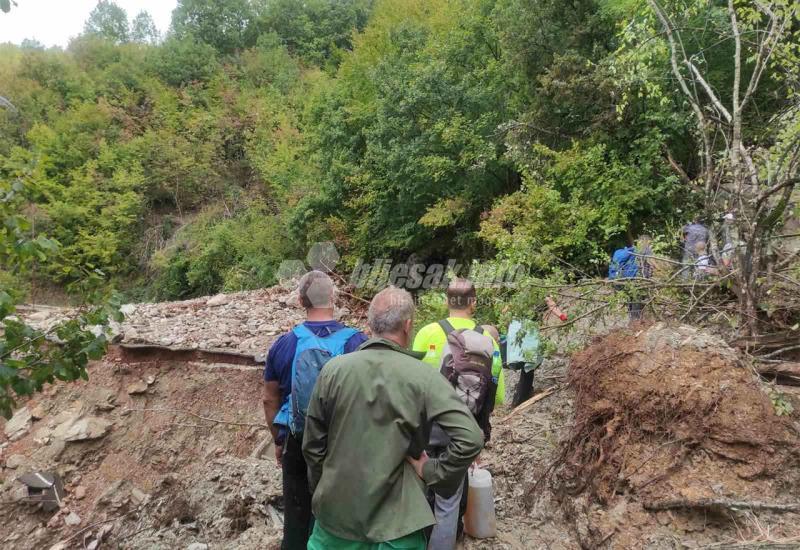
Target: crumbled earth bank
159	453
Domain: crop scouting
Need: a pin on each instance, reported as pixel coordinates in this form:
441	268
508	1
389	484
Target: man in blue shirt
317	296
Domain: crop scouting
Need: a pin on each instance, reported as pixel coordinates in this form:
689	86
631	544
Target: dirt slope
171	477
159	454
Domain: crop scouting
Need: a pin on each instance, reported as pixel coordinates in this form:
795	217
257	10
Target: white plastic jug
480	521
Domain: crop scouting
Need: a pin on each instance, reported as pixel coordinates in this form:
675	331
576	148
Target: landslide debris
242	322
668	418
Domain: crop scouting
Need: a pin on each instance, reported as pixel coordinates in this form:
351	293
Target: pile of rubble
244	322
142	455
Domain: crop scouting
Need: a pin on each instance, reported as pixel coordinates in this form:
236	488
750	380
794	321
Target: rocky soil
159	453
153	455
242	322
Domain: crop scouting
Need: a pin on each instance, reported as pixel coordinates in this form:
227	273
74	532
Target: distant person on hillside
628	263
367	426
703	266
307	344
691	234
523	353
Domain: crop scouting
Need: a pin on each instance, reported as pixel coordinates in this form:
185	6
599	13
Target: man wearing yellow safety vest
432	340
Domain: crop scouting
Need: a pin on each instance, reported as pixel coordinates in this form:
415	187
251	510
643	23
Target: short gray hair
389	309
316	290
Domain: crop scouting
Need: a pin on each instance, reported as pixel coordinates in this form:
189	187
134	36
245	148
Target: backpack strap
446	326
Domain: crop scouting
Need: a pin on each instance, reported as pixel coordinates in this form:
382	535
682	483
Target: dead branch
787	374
780	351
530	402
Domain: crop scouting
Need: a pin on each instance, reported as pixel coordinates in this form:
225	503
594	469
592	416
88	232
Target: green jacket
369	410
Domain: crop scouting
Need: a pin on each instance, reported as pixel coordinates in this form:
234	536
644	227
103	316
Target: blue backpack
623	264
312	353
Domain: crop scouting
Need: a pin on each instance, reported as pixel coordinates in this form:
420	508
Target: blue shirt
281	354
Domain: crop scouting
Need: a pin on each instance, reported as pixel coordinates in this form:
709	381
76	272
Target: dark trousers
524	390
297	519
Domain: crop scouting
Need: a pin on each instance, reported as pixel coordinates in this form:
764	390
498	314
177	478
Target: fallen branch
530	402
783	373
709	503
215	420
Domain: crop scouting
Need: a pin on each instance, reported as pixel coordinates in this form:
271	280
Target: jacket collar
383	342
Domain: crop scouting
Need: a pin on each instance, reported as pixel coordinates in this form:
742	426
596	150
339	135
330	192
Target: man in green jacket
367	426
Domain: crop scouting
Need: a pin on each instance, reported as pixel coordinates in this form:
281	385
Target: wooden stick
530	402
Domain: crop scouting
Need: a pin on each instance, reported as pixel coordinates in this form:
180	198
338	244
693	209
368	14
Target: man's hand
279	454
418	463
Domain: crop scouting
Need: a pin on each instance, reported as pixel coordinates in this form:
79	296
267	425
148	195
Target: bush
216	253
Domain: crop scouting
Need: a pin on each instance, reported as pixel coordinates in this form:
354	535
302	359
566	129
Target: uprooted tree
748	166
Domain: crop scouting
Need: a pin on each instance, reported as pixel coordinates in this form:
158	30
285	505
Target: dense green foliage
510	129
27	358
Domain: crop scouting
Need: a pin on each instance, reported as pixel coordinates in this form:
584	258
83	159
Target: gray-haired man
370	413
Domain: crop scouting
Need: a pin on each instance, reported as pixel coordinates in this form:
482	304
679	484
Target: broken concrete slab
139	497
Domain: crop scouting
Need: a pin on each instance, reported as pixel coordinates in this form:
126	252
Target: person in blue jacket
317	295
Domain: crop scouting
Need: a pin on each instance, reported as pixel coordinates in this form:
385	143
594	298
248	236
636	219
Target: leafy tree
143	29
316	30
27	360
225	25
108	20
181	61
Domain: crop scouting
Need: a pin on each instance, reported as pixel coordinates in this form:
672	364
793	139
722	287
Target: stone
140	386
127	309
55	520
42	435
40	315
197	546
79	492
138	496
218	300
38	412
150	380
72	519
87	428
50	453
104	399
18	424
15	461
